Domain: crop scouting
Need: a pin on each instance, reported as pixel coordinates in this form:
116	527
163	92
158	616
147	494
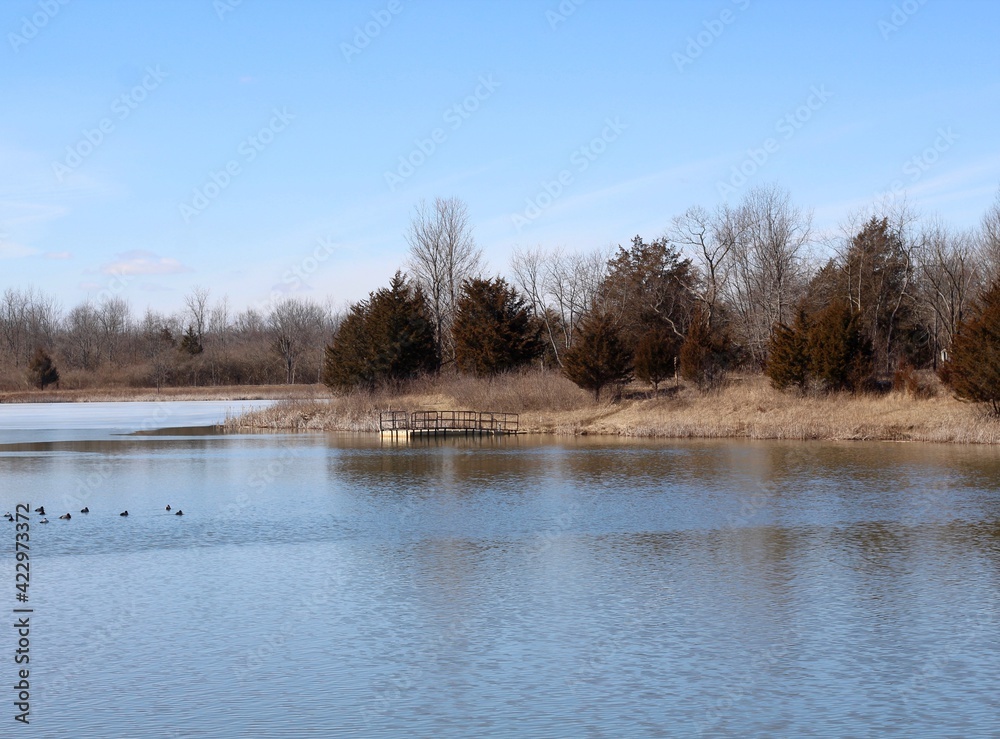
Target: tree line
748	285
100	343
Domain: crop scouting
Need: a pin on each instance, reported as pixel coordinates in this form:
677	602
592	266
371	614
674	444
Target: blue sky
261	145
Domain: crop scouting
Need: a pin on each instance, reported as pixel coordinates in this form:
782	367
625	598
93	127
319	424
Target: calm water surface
329	585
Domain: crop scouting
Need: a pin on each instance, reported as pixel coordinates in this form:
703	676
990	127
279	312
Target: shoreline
746	408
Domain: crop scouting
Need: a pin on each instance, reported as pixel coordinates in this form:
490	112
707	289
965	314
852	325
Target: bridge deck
440	423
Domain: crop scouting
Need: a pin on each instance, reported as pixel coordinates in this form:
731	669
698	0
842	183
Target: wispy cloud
9	250
140	262
58	255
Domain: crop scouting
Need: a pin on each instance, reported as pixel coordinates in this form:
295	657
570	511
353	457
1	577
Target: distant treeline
747	286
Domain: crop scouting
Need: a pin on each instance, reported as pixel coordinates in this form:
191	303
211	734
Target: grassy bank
117	394
747	407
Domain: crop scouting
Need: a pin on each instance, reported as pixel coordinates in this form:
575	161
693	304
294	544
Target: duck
168	506
179	513
44	520
40	509
65	517
123	513
85	509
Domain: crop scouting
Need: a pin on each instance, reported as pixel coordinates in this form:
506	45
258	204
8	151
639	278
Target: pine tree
347	359
649	287
190	344
598	357
655	358
42	370
840	356
493	331
707	351
387	338
788	354
973	370
401	332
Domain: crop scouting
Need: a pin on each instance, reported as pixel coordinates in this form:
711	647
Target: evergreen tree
42	370
878	276
598	357
190	344
788	354
387	338
840	355
655	358
347	360
494	331
649	287
973	370
707	351
402	332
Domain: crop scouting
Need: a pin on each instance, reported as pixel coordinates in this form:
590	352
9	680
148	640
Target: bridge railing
393	420
445	421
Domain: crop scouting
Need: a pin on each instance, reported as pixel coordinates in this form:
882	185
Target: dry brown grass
747	407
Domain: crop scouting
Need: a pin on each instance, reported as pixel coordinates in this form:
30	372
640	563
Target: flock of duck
66	517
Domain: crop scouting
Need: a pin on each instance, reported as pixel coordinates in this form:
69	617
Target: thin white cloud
58	255
140	262
19	213
9	250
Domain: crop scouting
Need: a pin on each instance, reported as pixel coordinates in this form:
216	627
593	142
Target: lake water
332	585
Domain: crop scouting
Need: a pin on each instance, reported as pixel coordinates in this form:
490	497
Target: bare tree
767	266
28	319
114	318
950	277
297	328
528	266
561	287
82	339
991	242
443	253
709	239
219	321
156	336
196	311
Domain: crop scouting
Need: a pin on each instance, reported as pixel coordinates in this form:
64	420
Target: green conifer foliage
493	331
973	370
656	357
788	354
706	353
387	338
840	356
43	370
598	357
